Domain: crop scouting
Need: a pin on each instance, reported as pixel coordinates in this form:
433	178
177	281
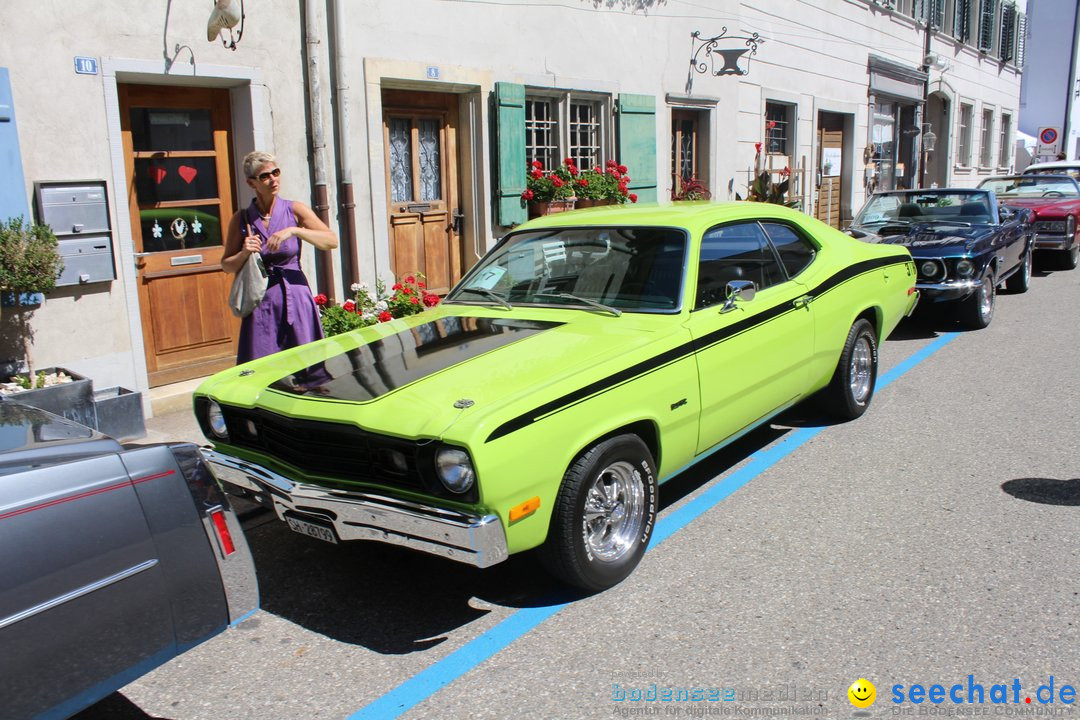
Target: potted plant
608	185
763	189
689	189
368	307
30	262
549	192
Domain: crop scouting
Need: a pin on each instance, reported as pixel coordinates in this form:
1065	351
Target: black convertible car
965	244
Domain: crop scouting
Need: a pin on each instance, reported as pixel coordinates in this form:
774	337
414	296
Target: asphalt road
933	539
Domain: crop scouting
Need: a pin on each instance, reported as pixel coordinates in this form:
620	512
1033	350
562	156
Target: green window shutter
510	136
637	143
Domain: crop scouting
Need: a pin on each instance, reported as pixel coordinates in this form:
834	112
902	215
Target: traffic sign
1049	141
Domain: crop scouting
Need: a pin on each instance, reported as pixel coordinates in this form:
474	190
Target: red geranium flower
414	300
568	162
431	300
633	197
406	291
623	169
757	148
410	279
349	305
573	170
385	316
536	164
528	194
320	299
421	284
583	182
556	182
395	286
537	174
770	125
785	172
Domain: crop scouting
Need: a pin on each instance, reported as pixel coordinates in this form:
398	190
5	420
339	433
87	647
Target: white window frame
560	101
986	137
964	133
1005	131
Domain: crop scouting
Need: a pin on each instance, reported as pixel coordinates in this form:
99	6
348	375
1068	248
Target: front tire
1070	258
848	394
604	515
1020	280
977	311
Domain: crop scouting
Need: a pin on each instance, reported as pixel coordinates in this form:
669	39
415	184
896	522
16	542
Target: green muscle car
586	359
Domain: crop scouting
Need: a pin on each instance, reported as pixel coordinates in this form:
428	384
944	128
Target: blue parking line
438	675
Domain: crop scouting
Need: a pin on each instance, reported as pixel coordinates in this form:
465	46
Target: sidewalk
172	426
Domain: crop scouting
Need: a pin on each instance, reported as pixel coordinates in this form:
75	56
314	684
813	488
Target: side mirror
738	290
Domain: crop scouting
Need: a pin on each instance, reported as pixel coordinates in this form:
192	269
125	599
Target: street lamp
929	139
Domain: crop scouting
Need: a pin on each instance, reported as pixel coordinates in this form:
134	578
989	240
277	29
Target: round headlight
216	421
929	269
965	267
455	470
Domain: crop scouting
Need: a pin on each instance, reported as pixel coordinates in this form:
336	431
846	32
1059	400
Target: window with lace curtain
567	125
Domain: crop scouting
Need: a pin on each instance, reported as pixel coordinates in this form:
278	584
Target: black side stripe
686	349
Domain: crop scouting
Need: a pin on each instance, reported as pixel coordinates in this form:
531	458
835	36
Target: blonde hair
255	160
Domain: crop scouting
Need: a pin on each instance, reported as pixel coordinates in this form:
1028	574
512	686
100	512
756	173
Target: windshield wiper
490	295
585	301
960	223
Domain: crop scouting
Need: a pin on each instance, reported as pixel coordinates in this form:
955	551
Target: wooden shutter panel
1008	32
962	20
637	143
987	14
1021	39
510	136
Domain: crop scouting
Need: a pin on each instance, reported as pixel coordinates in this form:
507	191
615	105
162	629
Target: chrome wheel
614	511
861	372
986	299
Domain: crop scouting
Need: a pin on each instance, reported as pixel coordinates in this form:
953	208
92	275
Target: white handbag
249	286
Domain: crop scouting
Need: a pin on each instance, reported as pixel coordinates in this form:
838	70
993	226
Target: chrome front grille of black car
331	450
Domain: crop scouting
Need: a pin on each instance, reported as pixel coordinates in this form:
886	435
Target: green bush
30	258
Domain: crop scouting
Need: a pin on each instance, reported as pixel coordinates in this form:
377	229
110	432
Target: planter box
119	413
537	209
73	400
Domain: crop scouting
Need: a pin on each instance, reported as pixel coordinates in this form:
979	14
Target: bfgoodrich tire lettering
852	387
604	515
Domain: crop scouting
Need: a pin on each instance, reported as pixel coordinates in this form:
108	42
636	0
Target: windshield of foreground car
595	268
1032	186
926	206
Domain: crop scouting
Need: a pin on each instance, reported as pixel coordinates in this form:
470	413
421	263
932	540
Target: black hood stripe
688	348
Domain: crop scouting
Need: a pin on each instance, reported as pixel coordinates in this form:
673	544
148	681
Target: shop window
963	139
1004	141
566	126
986	139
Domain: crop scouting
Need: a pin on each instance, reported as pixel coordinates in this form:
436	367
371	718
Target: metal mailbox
78	212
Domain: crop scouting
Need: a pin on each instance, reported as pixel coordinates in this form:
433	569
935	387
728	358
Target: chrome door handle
803	301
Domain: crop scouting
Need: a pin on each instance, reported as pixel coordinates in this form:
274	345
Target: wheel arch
876	317
646	429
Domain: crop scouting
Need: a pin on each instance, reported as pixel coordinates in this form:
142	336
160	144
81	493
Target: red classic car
1055	200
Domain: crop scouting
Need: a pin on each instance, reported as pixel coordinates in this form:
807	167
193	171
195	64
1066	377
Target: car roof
1055	165
672	214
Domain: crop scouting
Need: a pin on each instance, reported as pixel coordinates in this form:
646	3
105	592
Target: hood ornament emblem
463	403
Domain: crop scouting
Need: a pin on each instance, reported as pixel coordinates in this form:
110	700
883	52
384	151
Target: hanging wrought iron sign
707	52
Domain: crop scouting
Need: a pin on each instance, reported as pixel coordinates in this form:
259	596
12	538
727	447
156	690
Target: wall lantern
707	50
929	139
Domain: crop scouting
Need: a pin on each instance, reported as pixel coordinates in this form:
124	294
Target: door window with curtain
684	149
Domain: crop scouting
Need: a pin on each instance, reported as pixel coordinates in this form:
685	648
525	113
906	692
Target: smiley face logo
862	693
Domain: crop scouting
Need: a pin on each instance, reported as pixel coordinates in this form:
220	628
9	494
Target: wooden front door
830	163
420	138
180	186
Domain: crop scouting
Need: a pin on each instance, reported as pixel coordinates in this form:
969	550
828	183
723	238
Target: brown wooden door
830	161
420	138
180	185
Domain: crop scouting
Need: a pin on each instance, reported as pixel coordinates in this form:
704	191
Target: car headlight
965	268
929	269
215	420
455	470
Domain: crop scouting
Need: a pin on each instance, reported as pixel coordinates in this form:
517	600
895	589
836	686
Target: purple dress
287	316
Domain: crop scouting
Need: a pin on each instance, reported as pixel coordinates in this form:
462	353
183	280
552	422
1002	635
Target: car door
82	605
752	355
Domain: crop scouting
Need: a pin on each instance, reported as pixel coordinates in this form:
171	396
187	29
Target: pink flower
528	194
385	316
320	299
349	306
633	197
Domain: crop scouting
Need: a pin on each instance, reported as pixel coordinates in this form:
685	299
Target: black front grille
325	449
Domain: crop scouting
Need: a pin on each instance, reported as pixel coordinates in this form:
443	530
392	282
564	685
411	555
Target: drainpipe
348	205
926	101
318	144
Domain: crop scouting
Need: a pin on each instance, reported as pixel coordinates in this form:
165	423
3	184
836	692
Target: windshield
1032	186
947	206
628	268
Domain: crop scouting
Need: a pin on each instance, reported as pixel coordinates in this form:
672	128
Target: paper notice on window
831	158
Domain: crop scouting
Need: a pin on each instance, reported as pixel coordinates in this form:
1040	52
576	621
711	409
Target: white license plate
314	530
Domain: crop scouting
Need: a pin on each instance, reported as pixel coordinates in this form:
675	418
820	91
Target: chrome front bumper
477	540
1044	241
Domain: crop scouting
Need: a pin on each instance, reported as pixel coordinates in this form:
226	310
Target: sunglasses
264	176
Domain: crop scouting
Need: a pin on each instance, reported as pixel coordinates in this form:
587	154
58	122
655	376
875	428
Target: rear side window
796	252
734	252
